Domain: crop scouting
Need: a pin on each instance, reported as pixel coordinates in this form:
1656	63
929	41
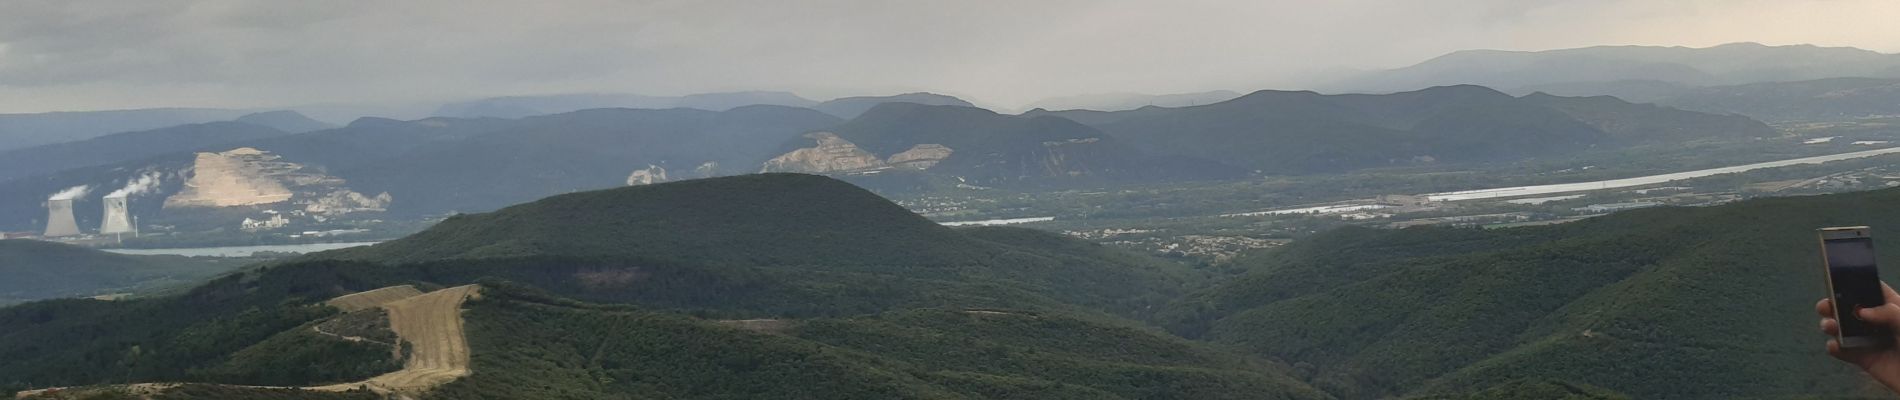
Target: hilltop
285	120
851	107
777	244
782	218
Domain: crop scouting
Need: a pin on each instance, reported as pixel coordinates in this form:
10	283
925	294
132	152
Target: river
241	251
1644	180
993	222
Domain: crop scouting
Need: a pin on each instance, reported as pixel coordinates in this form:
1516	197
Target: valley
1208	222
972	310
945	201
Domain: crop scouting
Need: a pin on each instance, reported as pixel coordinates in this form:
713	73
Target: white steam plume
71	193
137	185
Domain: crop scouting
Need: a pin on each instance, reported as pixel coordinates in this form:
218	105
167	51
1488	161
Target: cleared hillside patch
373	298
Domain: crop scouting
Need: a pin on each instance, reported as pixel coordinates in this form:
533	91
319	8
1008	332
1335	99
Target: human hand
1882	363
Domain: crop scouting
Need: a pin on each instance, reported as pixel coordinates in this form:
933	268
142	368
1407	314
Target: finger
1830	327
1892	298
1825	307
1859	359
1886	315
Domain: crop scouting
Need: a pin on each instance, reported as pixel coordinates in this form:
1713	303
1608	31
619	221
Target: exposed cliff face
343	201
239	177
835	154
921	156
646	176
707	170
247	176
831	154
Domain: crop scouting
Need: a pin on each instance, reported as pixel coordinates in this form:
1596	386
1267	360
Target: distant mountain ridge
27	130
285	120
520	160
1815	100
851	107
440	165
527	106
128	146
1306	132
1130	101
982	147
1728	64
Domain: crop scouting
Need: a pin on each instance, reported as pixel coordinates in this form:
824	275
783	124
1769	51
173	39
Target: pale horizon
78	56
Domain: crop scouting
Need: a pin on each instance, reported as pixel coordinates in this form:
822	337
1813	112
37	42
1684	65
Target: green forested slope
1671	303
798	247
33	270
773	244
526	346
751	219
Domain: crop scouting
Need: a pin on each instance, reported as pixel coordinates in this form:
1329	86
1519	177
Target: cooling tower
117	220
59	218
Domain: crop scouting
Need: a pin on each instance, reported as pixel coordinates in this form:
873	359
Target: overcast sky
81	55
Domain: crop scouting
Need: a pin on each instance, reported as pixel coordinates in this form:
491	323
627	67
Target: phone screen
1850	264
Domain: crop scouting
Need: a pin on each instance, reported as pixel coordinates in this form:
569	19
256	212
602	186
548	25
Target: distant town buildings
253	225
1614	207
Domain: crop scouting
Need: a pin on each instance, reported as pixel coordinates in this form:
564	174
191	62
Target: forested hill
1706	303
775	244
795	286
751	219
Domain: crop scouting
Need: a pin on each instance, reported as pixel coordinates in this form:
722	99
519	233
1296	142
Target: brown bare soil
430	323
373	298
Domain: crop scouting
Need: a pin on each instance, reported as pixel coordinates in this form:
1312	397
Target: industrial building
117	220
59	218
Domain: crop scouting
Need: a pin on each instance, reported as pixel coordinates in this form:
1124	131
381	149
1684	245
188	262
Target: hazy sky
78	55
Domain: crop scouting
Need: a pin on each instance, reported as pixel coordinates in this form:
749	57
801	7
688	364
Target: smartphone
1847	253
